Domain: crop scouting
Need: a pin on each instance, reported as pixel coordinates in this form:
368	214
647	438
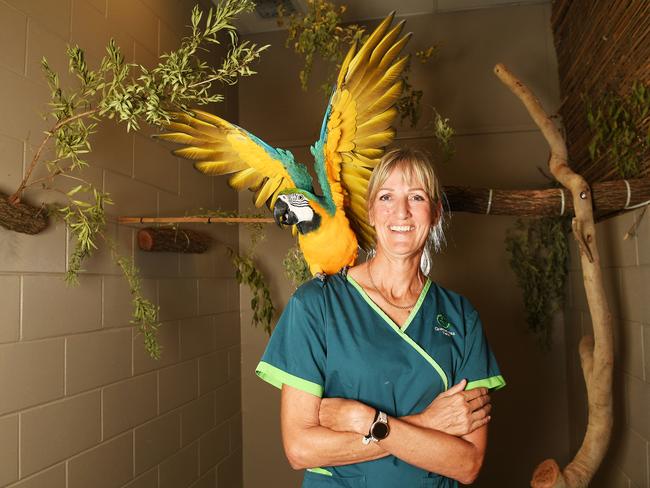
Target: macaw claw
321	276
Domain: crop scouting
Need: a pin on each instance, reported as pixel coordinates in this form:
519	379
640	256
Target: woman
366	361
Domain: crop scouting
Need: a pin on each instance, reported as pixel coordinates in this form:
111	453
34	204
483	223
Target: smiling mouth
401	228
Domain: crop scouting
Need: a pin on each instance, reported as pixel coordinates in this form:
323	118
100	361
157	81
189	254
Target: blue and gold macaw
356	129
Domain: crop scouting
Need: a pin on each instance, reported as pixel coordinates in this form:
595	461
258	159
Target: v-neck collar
383	314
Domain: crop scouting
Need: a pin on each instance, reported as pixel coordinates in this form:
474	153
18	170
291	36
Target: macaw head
296	207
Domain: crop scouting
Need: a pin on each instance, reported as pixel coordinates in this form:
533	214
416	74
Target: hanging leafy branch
145	313
539	254
247	272
320	33
295	267
85	221
133	95
443	134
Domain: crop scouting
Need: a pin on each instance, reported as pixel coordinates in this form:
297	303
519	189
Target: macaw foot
344	271
321	276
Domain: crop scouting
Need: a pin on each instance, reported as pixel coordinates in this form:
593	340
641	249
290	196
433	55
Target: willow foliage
133	95
539	255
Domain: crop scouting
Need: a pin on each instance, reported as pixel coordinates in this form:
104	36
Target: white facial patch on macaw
299	205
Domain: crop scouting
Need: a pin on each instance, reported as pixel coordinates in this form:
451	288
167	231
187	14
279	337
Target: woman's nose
402	208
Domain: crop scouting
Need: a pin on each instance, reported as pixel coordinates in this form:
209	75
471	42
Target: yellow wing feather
221	148
362	110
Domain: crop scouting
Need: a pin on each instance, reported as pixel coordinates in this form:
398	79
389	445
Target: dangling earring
425	260
434	243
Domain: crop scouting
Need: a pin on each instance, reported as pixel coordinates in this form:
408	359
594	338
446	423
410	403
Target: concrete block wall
81	403
626	271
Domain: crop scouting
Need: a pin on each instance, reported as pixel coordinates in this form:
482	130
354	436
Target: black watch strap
373	421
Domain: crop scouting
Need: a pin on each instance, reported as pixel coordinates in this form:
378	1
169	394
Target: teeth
401	228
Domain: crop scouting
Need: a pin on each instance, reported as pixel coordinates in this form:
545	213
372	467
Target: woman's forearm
319	446
433	450
409	440
428	449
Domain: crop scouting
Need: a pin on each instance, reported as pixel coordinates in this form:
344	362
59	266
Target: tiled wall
81	403
626	271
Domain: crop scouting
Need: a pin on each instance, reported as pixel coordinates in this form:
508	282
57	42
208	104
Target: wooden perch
195	220
173	240
21	217
596	353
608	196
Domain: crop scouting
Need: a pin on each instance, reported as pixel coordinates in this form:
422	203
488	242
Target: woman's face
401	215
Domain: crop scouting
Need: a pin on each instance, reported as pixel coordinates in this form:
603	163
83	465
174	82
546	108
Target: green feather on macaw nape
298	172
318	151
319	156
355	131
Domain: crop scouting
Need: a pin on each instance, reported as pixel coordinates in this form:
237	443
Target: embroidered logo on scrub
444	325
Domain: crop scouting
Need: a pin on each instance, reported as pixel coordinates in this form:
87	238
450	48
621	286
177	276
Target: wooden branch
596	353
196	220
608	197
15	197
173	240
21	217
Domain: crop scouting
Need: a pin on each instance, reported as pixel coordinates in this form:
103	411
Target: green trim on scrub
319	471
277	378
494	382
400	331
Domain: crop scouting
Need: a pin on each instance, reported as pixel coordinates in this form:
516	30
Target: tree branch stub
21	217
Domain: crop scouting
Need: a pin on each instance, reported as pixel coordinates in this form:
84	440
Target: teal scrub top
332	340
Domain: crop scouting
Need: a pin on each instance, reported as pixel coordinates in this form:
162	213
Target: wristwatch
379	429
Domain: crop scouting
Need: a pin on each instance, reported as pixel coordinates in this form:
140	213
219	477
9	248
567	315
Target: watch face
380	430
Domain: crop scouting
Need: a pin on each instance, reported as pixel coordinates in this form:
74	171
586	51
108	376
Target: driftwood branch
21	217
596	353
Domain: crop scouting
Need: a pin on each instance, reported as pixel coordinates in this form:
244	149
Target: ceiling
358	10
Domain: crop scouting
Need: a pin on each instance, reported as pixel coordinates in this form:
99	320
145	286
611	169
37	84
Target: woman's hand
343	415
457	412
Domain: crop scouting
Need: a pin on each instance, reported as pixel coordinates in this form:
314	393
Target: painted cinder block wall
81	404
626	274
498	146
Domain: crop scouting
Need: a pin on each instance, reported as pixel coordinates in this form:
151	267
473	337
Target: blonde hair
414	164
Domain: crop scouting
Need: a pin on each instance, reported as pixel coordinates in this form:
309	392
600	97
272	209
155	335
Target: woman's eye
384	197
419	198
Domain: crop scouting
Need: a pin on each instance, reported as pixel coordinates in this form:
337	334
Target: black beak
282	215
280	212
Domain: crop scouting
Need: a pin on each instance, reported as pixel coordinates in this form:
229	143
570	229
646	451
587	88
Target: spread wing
220	148
357	124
